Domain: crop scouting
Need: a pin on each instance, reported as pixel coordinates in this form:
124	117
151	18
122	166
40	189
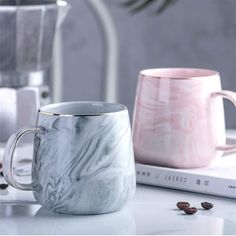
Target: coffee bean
190	210
207	205
3	186
183	205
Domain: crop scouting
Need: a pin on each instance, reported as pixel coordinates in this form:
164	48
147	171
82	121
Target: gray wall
189	34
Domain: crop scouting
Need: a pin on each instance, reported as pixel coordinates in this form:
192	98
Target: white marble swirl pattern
176	122
84	165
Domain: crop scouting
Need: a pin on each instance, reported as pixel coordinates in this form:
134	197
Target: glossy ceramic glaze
84	164
179	117
83	158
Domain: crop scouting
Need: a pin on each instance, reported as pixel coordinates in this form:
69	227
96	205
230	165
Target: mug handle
231	96
9	154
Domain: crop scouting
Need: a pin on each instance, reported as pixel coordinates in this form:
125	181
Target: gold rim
144	73
41	111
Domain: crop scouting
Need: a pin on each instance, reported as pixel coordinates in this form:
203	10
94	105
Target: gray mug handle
9	154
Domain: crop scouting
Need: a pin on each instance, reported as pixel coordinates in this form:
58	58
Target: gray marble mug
83	159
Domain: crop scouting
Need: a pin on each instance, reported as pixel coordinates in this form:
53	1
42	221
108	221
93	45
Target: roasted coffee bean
183	205
207	205
190	210
3	186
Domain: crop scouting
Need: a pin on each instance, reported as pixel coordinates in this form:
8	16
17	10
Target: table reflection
121	222
33	219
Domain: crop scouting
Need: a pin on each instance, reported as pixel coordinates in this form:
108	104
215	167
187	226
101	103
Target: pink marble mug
179	117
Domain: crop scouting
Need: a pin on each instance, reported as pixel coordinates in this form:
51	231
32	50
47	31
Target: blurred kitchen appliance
27	31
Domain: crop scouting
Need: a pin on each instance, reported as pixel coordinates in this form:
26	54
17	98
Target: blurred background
188	33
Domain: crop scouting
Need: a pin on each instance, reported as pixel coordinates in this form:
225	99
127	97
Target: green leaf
165	5
143	5
129	3
139	5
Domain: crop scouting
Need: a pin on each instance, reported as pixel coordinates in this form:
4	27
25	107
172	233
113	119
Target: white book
219	179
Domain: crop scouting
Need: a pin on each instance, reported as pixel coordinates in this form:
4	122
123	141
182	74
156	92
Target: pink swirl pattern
177	122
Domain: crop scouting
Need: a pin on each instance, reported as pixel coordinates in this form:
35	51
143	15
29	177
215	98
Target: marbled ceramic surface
177	123
84	164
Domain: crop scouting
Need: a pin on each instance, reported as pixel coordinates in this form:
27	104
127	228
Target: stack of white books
217	179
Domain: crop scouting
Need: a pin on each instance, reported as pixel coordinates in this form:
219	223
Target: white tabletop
152	211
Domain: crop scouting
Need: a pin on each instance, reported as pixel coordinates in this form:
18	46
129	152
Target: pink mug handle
231	96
